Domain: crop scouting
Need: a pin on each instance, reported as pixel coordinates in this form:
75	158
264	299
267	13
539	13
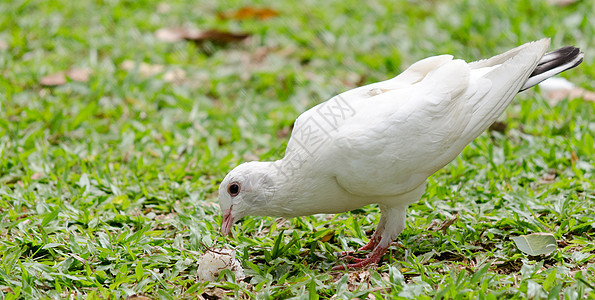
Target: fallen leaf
355	277
59	78
174	76
144	68
137	297
561	2
176	34
215	293
508	267
217	37
450	256
573	158
37	175
248	12
536	243
53	79
358	275
499	126
447	223
574	93
557	89
81	75
327	237
548	177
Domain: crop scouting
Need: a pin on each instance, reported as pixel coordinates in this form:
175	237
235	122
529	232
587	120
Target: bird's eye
233	189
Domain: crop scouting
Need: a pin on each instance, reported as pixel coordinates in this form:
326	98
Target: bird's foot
369	246
372	258
359	263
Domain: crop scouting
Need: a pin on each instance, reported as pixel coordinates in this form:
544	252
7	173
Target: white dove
377	144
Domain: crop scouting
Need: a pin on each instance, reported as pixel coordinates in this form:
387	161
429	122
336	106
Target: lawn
109	167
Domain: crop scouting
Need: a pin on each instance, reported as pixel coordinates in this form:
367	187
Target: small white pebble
213	262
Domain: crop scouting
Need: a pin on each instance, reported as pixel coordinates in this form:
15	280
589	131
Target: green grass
108	187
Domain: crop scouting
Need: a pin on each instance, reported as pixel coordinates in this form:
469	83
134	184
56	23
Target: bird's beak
227	222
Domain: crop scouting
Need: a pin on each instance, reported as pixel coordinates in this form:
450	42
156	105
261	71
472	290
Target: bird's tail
553	63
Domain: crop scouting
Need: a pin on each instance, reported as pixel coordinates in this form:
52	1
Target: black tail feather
553	63
555	59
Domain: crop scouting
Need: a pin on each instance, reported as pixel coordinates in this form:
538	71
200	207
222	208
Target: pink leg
374	243
373	258
374	240
391	224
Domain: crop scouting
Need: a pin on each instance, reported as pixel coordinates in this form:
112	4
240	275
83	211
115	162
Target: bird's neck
305	190
294	190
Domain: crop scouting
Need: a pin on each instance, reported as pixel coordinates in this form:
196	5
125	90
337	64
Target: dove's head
246	190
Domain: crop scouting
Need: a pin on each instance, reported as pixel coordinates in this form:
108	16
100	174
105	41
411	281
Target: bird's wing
412	75
507	72
315	126
395	140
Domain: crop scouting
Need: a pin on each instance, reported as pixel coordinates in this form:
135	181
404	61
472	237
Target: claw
373	257
372	243
360	263
369	246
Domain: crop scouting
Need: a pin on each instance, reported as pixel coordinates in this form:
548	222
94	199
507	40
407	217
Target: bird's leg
394	224
374	240
372	258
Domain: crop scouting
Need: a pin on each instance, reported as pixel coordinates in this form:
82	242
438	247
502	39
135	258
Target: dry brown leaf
174	76
577	92
357	276
561	2
217	37
59	78
37	175
53	79
327	237
557	89
127	65
144	68
137	297
175	34
573	157
215	293
444	226
248	12
81	75
548	178
499	126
